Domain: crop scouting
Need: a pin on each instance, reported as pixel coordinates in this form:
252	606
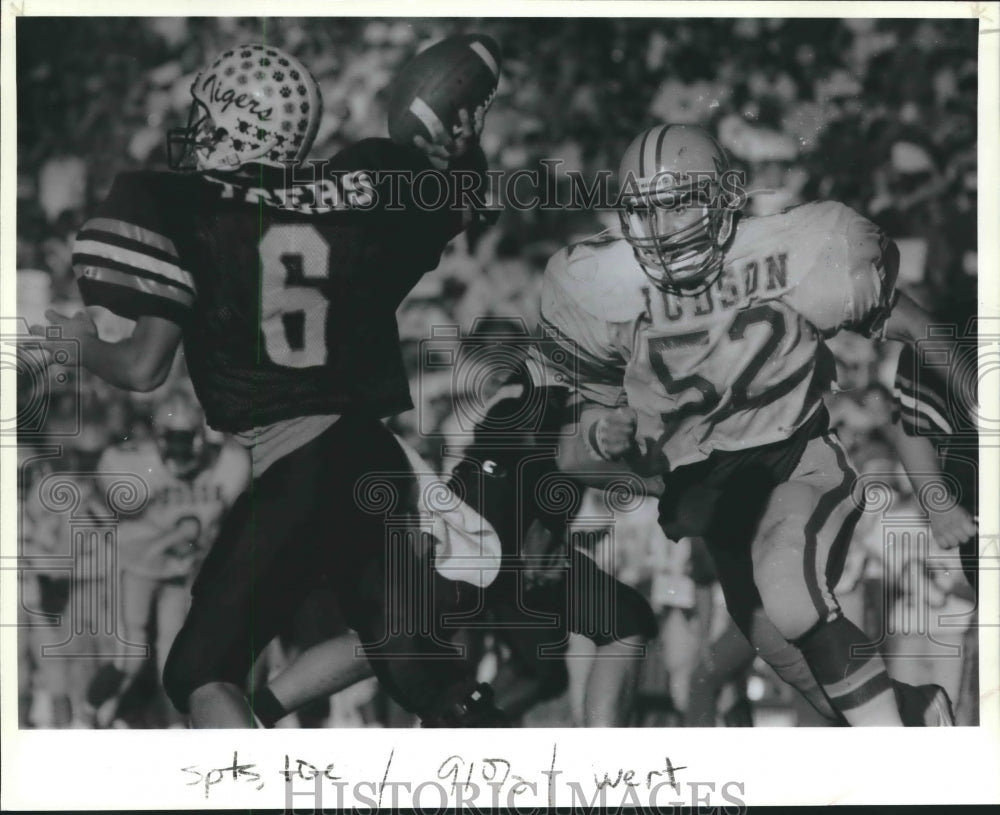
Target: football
458	72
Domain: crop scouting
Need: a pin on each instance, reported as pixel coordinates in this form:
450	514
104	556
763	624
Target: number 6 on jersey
294	260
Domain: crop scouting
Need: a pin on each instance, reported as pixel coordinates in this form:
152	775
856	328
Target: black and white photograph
379	387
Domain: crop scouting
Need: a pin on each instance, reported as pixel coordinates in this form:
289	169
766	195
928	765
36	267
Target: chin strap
663	285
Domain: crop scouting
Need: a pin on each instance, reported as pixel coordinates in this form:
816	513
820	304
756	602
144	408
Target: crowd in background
880	115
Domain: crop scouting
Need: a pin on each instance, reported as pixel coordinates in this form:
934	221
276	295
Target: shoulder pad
149	184
140	207
602	276
820	215
377	154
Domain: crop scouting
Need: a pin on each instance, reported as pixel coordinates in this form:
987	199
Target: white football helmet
255	103
677	206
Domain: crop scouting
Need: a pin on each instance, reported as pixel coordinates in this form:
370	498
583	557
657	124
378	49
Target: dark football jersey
926	404
286	286
920	397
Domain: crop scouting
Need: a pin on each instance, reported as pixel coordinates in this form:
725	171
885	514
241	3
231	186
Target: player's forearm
321	671
123	364
909	322
918	457
577	455
580	457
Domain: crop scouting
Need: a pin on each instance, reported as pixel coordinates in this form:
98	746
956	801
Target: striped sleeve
920	397
575	347
125	260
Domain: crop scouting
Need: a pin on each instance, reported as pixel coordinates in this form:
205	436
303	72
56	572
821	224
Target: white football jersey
199	502
741	365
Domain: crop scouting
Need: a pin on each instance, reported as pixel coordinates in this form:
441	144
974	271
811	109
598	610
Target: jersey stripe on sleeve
921	400
131	270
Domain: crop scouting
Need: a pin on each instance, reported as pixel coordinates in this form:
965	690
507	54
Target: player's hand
79	326
443	150
179	540
953	527
614	433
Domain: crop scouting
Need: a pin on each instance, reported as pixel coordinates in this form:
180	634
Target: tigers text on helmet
678	201
255	103
179	430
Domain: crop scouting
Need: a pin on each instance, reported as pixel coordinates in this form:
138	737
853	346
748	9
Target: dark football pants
579	597
339	507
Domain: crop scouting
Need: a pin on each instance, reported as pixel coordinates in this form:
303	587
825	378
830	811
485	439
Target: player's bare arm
951	526
139	362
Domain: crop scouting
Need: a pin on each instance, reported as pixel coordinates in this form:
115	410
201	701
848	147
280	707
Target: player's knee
780	576
791	610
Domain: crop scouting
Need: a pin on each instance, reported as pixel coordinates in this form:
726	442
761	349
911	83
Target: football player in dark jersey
508	474
937	441
283	292
937	451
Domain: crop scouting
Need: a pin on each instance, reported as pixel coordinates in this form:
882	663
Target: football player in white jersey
191	484
694	342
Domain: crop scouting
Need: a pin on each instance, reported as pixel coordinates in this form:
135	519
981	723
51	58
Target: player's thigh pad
256	574
802	539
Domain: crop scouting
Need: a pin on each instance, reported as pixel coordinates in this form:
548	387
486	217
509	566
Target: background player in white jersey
710	329
191	484
65	598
